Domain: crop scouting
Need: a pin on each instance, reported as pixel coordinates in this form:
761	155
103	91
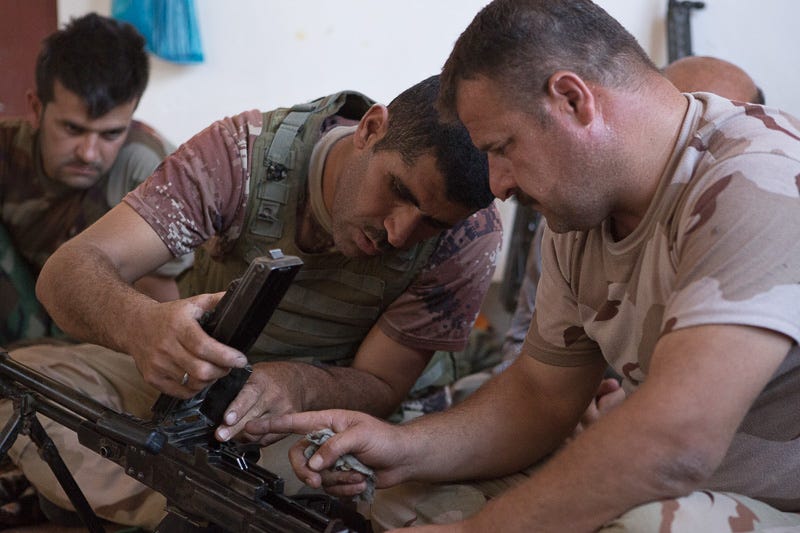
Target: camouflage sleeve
556	335
200	191
737	251
143	151
438	309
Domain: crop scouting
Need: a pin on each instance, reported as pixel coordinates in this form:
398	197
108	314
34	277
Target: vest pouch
325	315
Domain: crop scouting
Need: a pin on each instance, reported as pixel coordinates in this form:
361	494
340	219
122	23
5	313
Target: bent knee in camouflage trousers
110	378
415	504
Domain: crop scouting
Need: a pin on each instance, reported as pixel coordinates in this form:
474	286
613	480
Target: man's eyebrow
406	194
81	128
73	125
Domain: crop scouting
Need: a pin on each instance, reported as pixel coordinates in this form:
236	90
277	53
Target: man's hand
609	395
173	353
383	447
273	389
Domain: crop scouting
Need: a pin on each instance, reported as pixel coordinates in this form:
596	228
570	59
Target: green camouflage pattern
21	314
38	214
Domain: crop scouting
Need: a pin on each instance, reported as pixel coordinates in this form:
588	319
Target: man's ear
35	108
372	126
572	95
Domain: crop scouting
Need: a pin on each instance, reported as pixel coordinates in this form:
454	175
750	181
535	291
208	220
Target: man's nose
88	149
401	226
501	178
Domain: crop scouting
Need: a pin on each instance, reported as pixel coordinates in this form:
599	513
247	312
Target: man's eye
112	135
400	190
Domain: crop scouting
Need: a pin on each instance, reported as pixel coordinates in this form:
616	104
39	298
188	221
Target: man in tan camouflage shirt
671	255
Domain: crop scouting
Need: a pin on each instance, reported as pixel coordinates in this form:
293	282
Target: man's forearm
491	434
87	298
332	387
603	473
159	288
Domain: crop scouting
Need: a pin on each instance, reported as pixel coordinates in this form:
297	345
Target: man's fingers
299	423
607	386
346	490
307	422
240	412
610	400
202	345
211	356
332	478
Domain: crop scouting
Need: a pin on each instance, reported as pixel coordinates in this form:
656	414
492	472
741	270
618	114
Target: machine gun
679	28
209	486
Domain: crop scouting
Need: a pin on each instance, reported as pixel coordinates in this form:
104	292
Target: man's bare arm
662	442
492	433
86	287
159	288
86	284
380	377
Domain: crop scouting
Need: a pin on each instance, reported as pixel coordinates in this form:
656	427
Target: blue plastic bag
169	27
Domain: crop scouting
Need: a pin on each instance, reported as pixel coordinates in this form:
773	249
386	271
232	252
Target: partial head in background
89	79
710	74
101	60
407	177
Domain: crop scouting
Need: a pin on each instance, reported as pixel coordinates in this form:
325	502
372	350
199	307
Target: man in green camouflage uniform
74	160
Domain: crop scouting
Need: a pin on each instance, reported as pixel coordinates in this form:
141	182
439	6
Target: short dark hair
521	43
415	128
759	98
100	59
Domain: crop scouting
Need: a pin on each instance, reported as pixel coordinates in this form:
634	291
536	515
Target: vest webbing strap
278	159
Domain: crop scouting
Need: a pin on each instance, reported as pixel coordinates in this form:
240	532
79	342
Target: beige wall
267	53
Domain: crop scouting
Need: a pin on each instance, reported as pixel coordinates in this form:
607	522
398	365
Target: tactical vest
334	300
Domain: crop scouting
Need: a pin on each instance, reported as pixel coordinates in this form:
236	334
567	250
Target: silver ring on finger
185	379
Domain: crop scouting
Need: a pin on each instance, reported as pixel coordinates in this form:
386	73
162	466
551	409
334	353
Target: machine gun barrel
75	408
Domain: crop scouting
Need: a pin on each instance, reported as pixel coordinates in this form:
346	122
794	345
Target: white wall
269	53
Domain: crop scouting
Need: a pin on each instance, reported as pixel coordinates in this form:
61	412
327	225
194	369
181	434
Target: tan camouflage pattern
200	194
707	512
719	244
110	378
418	504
